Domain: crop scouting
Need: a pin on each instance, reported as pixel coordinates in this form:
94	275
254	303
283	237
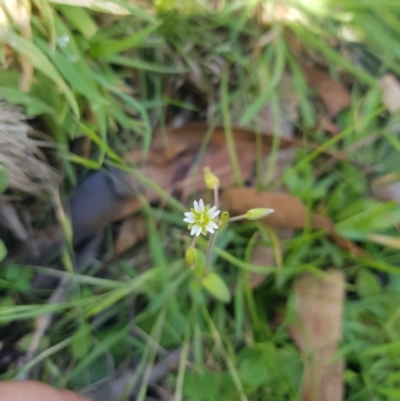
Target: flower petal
189	220
210	229
215	214
194	229
201	204
196	206
199	229
213	224
188	214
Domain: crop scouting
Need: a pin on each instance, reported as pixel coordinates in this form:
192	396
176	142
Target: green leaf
3	179
25	342
41	62
373	217
80	342
69	61
214	284
3	250
109	47
199	264
253	371
393	393
105	6
10	78
367	284
131	102
90	164
72	72
102	145
143	65
81	20
203	384
34	107
20	276
261	100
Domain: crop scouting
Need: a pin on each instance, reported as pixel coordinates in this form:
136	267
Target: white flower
202	218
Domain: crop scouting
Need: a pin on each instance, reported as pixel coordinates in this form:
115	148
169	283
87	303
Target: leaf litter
317	330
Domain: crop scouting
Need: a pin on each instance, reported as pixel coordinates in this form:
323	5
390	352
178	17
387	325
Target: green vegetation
99	80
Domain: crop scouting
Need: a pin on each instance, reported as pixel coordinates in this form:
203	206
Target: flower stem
210	246
193	243
211	242
236	218
216	196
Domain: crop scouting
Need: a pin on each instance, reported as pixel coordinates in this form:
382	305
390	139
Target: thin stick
213	236
209	251
44	322
193	243
216	196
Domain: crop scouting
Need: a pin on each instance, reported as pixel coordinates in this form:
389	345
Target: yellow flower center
202	219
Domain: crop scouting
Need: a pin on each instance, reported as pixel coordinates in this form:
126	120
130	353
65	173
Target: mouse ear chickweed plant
204	219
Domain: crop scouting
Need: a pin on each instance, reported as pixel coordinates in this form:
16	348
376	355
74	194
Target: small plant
204	219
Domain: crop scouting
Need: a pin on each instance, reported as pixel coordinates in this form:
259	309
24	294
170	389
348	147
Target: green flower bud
211	179
191	256
258	213
223	220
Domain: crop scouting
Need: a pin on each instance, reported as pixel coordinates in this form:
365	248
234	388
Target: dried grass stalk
20	155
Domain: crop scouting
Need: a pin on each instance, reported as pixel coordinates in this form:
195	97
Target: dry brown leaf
216	155
317	331
333	93
35	391
391	92
130	232
289	212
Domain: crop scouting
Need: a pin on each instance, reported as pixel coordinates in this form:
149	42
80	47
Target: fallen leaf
333	93
391	92
130	232
317	330
186	141
290	212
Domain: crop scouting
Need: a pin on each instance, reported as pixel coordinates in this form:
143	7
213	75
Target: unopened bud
191	256
223	220
258	213
211	179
